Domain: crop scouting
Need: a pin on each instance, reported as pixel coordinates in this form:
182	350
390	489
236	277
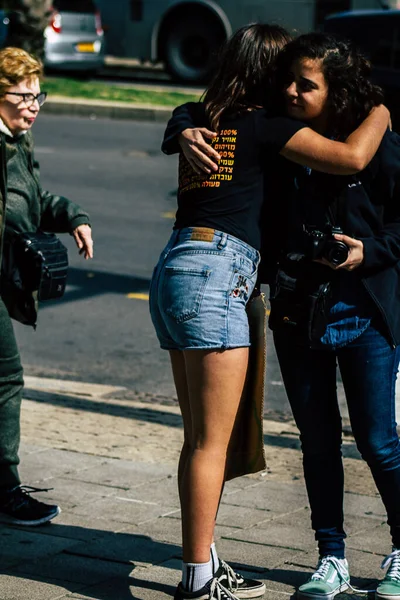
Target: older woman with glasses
24	207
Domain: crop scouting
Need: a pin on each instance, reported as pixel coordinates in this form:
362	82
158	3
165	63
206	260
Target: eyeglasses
29	98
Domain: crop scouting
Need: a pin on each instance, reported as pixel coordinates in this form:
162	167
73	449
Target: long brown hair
245	72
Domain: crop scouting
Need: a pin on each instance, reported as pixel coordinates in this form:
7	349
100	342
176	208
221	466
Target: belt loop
222	242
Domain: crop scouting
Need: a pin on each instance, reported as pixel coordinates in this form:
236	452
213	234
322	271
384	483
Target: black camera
322	244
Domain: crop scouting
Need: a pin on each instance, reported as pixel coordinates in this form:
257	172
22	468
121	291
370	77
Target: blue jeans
368	367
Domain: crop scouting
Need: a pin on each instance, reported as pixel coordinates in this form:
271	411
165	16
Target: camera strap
330	217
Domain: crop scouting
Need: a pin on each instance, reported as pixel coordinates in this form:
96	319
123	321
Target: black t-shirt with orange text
231	199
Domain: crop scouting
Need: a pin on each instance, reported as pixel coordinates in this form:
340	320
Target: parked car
74	39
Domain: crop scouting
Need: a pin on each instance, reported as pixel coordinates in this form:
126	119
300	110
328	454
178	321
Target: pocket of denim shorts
183	292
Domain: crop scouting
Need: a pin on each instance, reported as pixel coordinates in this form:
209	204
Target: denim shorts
200	288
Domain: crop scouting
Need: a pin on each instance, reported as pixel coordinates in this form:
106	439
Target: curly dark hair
351	94
245	72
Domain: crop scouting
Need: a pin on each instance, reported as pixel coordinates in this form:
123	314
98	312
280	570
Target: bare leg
179	373
215	383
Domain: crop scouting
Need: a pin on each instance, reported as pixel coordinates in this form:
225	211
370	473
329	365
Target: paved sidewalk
111	462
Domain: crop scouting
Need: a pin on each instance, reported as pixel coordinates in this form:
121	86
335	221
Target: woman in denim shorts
207	273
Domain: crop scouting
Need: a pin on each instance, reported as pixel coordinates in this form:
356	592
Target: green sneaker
330	578
389	587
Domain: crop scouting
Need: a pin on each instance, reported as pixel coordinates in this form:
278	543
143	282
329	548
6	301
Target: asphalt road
101	331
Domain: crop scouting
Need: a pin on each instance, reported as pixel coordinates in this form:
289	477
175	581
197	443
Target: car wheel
191	46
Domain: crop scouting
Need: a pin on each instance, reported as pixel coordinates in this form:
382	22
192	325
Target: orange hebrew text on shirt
225	144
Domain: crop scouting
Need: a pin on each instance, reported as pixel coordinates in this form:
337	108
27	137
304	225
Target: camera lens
337	253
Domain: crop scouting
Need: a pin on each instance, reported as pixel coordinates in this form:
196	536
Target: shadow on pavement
89	283
113	409
105	565
101	564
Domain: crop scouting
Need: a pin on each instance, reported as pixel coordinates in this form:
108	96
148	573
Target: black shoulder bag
36	262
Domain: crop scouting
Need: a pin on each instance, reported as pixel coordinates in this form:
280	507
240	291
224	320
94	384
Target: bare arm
311	149
306	147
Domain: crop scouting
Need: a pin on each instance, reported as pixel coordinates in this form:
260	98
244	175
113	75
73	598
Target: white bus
186	34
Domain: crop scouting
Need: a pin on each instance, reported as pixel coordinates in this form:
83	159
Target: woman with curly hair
336	301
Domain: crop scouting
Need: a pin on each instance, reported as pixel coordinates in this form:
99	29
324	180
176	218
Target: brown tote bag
246	452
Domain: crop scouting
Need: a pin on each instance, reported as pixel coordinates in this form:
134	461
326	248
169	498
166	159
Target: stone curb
111	110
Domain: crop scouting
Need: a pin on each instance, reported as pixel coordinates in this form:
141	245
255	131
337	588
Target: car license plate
85	47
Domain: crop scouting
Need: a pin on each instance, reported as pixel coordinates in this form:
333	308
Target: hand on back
197	150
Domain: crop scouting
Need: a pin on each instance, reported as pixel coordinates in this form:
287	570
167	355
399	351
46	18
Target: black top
231	199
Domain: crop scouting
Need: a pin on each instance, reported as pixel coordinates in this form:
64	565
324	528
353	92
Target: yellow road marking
168	215
140	296
137	296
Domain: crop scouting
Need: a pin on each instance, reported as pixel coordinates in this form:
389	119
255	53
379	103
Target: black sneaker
237	584
214	590
22	509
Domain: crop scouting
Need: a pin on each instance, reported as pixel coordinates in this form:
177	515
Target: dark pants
11	386
368	367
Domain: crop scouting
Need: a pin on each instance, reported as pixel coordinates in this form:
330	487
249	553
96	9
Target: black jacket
367	207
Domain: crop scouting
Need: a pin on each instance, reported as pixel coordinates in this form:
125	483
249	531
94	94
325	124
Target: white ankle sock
214	558
196	575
